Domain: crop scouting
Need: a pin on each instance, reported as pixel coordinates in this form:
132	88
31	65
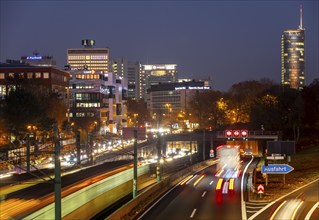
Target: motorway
302	203
197	198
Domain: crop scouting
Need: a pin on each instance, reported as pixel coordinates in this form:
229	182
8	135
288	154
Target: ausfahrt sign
277	169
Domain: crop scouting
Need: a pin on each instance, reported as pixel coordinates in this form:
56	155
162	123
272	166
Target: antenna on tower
300	26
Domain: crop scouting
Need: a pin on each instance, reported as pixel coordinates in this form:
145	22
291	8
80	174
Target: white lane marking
251	211
254	207
211	182
243	205
193	213
191	179
257	203
203	194
311	211
270	204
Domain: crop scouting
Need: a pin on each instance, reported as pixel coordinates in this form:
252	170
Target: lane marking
211	182
251	211
203	194
254	207
185	180
311	211
193	213
199	179
243	205
277	210
295	212
257	203
191	179
270	204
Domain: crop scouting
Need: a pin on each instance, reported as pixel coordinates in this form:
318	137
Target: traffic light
236	133
228	134
244	134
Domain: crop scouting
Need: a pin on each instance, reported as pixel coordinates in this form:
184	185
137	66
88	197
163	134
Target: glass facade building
293	57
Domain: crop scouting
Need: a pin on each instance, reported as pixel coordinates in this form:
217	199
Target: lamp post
135	164
57	173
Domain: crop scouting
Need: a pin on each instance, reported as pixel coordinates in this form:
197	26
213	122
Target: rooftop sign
34	58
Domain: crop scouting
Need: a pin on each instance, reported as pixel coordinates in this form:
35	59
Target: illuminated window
2	76
37	75
46	75
29	75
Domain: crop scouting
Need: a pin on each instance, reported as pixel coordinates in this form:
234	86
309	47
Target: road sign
211	153
260	188
275	157
277	169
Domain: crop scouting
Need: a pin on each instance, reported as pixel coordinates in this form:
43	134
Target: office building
88	57
293	57
130	71
153	74
98	97
42	79
168	99
37	60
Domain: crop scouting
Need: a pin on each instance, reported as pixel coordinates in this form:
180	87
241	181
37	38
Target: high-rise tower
293	57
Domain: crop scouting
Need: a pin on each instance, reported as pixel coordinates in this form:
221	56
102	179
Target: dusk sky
228	41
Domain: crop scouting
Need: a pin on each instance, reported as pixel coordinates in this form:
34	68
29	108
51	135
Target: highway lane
296	205
200	201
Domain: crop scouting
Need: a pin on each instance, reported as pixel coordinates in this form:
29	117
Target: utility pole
28	153
135	164
158	168
204	145
78	147
57	173
190	149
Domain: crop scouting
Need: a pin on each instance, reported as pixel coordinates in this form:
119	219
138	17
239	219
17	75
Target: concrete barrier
137	205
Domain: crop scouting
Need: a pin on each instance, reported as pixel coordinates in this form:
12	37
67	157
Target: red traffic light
228	133
236	133
244	133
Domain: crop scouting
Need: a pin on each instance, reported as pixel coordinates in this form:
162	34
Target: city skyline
226	41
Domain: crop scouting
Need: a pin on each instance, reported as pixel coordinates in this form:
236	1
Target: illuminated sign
160	67
198	87
179	88
34	58
192	87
